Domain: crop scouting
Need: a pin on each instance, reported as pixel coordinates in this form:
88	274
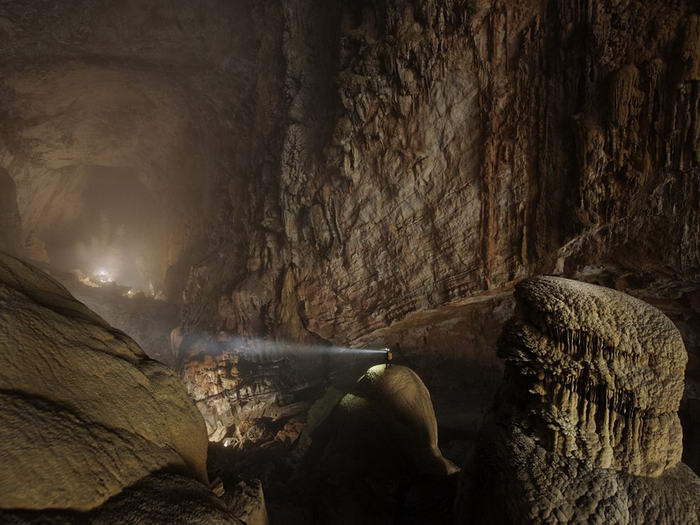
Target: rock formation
431	153
353	171
372	159
148	321
246	388
90	428
374	448
586	428
690	417
248	503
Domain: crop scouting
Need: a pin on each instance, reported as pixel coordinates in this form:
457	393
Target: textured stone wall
92	429
428	152
359	161
424	154
10	225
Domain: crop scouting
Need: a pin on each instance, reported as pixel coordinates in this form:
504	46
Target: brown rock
586	425
87	420
248	503
375	447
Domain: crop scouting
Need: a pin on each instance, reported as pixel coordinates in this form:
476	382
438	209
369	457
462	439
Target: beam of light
267	348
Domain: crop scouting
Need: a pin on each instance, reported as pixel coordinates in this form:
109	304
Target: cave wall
10	223
354	162
429	152
152	95
412	156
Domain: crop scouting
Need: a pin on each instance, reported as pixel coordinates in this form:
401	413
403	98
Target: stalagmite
603	441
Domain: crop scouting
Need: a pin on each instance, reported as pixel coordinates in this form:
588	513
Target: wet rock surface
586	427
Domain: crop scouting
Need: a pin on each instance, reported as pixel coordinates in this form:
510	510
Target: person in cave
374	459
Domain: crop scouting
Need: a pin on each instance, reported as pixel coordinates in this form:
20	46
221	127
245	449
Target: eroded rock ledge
585	427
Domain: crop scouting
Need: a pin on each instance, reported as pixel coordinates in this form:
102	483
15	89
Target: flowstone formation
91	429
585	428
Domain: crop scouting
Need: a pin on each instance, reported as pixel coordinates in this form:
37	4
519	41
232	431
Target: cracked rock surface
585	428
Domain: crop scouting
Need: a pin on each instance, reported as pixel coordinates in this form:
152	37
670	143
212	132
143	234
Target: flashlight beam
269	347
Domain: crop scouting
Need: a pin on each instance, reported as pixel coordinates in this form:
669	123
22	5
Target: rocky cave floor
288	434
276	463
270	456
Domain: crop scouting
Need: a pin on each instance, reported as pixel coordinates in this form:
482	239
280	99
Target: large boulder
90	427
585	428
375	458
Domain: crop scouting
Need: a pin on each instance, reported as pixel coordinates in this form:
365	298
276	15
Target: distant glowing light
104	276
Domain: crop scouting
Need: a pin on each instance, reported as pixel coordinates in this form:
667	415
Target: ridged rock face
608	370
586	422
86	416
246	389
429	152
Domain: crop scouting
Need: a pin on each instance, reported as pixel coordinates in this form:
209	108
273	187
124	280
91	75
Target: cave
350	262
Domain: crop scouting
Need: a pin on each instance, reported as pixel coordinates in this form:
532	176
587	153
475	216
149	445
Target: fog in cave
113	233
342	262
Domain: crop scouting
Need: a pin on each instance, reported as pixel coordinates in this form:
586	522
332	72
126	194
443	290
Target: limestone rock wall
423	154
249	389
10	224
429	152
